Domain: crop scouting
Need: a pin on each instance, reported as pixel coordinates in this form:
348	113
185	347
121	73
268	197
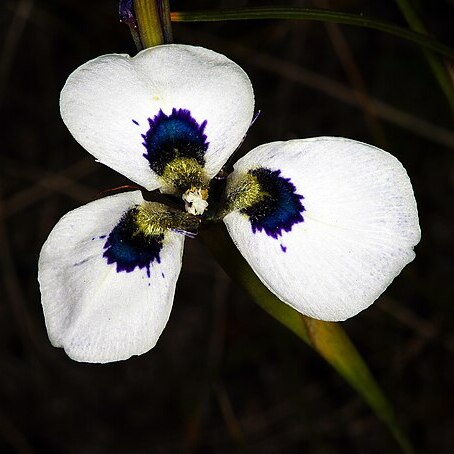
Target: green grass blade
328	339
333	344
315	15
439	70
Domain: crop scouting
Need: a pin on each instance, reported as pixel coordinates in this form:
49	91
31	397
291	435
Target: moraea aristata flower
325	223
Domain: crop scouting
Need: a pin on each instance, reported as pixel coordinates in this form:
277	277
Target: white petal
94	312
104	99
360	225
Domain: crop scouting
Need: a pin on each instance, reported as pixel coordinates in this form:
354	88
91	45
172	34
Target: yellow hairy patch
155	219
185	173
244	192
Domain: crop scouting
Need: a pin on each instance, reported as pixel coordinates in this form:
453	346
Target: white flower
326	223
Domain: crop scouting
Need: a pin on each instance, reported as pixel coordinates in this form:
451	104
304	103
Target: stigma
195	200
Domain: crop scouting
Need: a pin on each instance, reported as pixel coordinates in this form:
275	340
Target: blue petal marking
130	249
281	208
173	136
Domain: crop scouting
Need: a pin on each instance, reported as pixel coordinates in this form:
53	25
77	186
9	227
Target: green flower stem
438	68
166	21
328	339
153	21
315	15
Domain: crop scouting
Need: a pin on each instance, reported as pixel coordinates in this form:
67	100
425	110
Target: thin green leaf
328	339
315	15
439	69
333	344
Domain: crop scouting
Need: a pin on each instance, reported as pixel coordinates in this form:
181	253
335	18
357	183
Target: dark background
225	377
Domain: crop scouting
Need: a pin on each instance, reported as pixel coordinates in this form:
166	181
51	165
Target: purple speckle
135	122
163	275
284	248
81	262
98	237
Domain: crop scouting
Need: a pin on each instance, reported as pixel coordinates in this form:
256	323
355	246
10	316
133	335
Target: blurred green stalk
438	67
148	20
153	20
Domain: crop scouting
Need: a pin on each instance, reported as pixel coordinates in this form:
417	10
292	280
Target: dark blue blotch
280	209
284	248
135	122
172	136
130	249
